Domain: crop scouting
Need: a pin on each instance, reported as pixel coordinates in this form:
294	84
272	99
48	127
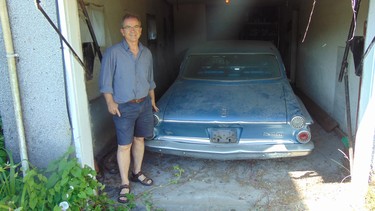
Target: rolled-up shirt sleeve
107	70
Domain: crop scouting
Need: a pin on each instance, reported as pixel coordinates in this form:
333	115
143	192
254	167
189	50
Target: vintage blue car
232	100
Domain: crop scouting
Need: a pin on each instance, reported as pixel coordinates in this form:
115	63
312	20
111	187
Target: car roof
233	46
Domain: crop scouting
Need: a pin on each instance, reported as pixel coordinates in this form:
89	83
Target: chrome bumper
229	151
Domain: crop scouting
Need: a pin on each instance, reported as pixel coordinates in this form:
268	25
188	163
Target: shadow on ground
312	182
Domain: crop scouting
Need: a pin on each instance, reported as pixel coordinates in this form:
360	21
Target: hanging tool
344	73
89	25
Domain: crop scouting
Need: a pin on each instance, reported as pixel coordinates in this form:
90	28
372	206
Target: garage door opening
312	66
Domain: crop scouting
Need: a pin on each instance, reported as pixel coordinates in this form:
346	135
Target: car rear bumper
229	151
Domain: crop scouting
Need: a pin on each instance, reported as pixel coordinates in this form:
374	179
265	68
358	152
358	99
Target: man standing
126	80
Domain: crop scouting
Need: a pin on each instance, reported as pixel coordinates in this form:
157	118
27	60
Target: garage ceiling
234	2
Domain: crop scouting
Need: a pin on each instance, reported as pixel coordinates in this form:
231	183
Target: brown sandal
121	196
146	181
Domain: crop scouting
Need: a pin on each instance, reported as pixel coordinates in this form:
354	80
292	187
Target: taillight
297	122
303	136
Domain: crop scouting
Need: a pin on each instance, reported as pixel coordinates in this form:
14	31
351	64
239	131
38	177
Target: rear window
232	67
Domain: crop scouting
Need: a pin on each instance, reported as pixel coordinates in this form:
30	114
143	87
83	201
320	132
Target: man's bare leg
123	160
138	150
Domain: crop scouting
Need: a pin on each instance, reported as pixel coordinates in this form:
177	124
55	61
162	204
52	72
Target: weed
178	174
3	154
64	185
10	184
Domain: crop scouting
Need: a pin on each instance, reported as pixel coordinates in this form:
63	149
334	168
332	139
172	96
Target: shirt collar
126	45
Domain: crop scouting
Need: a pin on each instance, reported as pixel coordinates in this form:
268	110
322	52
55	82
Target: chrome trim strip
220	122
242	141
230	152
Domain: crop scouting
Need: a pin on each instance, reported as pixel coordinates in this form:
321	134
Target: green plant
11	184
69	182
178	173
64	182
3	154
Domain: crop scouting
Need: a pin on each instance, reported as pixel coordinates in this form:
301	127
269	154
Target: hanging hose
344	63
344	74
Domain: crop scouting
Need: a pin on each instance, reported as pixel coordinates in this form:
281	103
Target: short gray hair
129	15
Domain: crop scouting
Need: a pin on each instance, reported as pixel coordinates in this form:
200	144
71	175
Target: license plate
219	135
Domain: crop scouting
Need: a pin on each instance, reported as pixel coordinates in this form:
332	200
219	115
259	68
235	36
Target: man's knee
139	139
124	147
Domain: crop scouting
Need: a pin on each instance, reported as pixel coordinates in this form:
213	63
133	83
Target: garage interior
311	37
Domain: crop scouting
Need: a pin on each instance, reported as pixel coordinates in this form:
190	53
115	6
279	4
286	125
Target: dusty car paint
231	119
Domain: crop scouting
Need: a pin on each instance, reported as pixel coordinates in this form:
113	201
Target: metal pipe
13	78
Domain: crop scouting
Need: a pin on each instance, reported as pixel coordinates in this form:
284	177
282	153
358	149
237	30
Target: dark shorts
136	121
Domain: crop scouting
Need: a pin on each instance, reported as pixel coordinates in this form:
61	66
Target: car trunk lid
227	102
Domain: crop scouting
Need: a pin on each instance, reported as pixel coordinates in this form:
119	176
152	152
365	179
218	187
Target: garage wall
189	25
41	84
320	55
368	83
364	162
162	49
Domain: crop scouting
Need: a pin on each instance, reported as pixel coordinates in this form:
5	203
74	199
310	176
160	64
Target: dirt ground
318	181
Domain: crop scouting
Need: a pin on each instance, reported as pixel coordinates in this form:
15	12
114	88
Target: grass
3	154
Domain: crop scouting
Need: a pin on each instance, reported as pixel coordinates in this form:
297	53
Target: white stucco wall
368	88
41	78
364	167
320	55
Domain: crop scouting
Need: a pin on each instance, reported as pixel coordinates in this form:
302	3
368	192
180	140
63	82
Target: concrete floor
315	182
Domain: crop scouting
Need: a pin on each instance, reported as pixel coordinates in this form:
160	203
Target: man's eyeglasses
136	27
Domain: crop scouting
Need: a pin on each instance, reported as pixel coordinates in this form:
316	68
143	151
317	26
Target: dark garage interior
312	49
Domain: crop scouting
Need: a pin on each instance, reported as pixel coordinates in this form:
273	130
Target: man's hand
151	93
156	109
112	105
113	109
